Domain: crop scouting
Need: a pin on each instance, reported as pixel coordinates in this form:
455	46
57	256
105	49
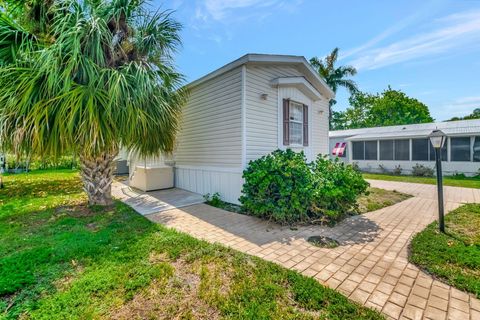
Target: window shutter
305	125
286	118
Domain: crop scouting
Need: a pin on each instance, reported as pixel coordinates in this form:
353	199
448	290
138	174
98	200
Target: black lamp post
437	138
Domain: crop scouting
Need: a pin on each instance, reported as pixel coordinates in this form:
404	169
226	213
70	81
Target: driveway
371	264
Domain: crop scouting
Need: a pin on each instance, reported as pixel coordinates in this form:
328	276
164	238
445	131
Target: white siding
207	180
211	132
263	130
320	128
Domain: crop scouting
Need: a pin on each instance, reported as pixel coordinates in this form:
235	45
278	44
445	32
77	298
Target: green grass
377	199
454	181
454	256
60	259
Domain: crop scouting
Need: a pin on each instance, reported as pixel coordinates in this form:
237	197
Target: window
358	150
386	149
402	149
295	123
476	149
420	149
460	149
443	153
370	150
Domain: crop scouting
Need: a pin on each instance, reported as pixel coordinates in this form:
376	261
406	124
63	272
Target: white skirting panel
227	182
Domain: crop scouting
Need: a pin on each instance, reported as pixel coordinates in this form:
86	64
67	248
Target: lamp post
437	138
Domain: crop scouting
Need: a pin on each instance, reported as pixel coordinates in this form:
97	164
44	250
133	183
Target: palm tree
335	76
89	77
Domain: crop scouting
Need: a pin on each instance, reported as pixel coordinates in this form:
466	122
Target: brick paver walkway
370	266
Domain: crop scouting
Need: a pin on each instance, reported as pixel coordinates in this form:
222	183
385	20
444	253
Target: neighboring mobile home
385	148
242	111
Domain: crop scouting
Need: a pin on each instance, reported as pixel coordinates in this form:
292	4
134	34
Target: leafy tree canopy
391	107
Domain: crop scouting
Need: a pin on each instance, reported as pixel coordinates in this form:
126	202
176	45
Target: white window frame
300	105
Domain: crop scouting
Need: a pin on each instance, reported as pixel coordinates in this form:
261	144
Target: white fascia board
253	58
300	83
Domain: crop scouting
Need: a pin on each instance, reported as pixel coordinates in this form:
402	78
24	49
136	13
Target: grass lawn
379	198
62	260
454	181
454	256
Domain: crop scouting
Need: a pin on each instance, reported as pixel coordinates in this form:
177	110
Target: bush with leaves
336	188
397	171
284	188
278	186
422	171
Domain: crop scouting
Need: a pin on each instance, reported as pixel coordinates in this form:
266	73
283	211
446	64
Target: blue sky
428	49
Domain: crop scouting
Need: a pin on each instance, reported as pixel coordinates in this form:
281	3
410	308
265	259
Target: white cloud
454	32
419	13
468	102
209	13
224	10
458	108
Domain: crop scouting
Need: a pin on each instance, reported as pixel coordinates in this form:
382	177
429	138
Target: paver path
370	266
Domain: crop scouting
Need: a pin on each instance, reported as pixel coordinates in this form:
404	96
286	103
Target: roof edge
265	58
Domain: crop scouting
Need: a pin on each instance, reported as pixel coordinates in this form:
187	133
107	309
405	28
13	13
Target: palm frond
92	85
335	76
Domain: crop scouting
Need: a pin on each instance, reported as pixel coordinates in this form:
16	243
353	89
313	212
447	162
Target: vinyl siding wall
263	132
211	132
208	157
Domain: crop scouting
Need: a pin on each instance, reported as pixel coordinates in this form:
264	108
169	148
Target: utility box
152	178
121	167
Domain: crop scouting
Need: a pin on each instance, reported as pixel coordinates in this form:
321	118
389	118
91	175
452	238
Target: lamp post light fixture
438	138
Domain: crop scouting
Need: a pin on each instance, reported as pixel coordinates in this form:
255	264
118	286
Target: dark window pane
460	149
476	149
402	150
386	149
358	150
443	154
370	150
420	149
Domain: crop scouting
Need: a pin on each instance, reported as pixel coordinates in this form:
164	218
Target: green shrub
422	171
43	163
278	186
336	187
284	188
214	200
397	171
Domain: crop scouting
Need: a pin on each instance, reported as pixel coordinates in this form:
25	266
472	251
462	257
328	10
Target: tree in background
474	115
334	76
391	107
88	77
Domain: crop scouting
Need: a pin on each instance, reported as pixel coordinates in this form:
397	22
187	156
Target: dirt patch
177	297
76	211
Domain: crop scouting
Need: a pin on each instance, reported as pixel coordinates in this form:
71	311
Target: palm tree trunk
97	176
